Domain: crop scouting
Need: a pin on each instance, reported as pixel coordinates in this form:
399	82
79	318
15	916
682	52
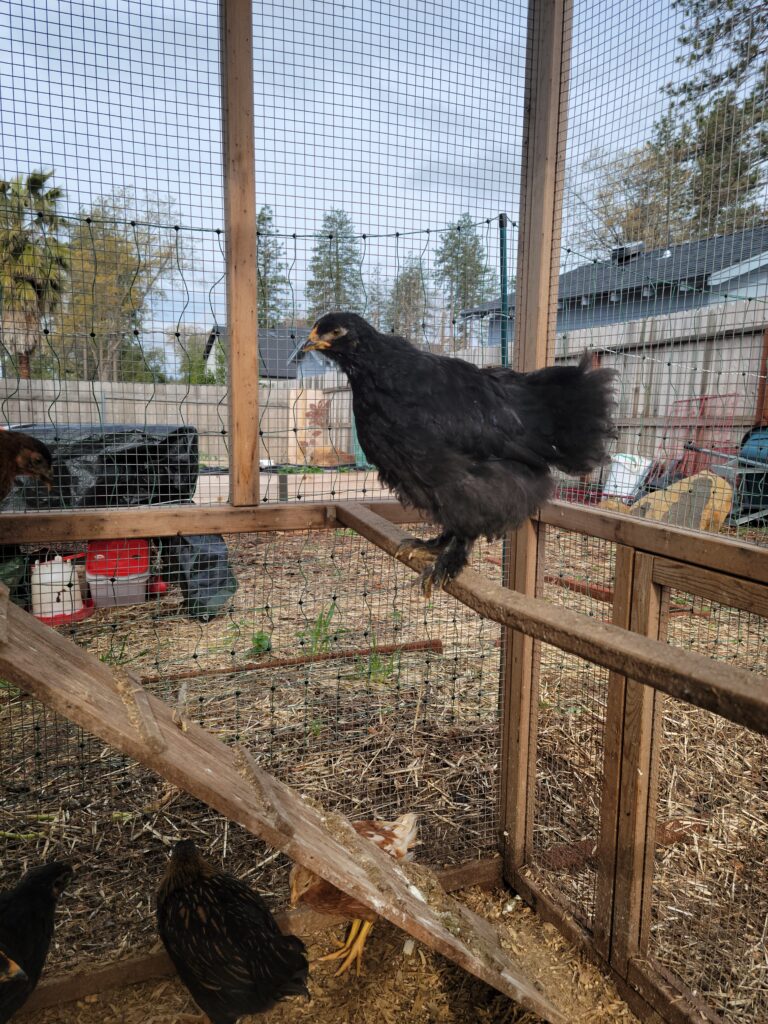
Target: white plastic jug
55	589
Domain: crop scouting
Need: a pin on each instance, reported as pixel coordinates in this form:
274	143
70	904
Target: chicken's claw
434	576
408	547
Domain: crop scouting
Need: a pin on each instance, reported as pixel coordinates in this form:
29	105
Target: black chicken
23	455
223	940
26	930
471	447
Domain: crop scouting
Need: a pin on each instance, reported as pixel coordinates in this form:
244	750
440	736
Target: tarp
199	564
125	464
111	466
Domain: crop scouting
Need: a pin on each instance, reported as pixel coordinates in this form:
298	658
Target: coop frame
650	559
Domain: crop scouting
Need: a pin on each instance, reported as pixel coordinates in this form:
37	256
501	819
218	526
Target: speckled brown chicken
397	838
223	940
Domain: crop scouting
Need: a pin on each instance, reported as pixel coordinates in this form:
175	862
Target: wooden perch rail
728	690
84	690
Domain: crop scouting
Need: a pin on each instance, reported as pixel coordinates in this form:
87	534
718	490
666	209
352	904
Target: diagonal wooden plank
730	691
83	689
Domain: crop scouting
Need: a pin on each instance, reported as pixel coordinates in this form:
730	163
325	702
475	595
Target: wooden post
612	748
240	228
538	266
761	407
641	733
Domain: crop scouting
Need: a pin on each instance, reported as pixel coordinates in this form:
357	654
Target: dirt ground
378	734
414	986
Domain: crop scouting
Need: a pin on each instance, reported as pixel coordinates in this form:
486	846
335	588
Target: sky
405	114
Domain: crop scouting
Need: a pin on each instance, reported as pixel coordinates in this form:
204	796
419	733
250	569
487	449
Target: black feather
224	941
473	448
26	929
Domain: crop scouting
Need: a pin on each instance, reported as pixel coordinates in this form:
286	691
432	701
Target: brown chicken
23	455
397	838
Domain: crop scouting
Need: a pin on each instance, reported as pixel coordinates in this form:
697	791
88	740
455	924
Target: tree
193	366
273	280
376	309
461	268
409	302
726	160
638	195
335	281
33	262
727	51
120	259
721	107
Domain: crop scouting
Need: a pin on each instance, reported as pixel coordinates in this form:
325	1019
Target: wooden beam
303	921
543	154
4	601
160	521
728	690
761	405
519	704
714	586
175	520
612	747
641	734
240	238
705	549
674	1001
77	685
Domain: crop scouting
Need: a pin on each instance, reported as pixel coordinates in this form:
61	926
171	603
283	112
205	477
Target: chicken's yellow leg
346	945
355	955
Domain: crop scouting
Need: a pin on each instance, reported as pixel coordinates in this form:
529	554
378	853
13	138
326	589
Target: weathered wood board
87	692
730	691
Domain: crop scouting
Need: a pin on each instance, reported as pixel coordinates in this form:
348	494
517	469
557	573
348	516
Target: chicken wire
664	248
578	573
406	146
709	897
326	663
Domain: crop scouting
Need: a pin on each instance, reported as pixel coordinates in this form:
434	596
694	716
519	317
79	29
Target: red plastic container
117	571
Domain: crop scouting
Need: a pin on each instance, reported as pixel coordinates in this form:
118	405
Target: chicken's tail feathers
406	829
583	399
396	837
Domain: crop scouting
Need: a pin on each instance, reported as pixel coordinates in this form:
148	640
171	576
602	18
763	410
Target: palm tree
33	262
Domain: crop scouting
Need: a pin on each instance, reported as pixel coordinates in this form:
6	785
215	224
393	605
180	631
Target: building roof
276	345
693	262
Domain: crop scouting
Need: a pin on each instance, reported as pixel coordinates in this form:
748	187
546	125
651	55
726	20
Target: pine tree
461	268
408	307
273	281
335	280
376	309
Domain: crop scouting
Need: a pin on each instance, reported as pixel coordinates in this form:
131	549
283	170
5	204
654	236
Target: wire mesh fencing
709	901
325	662
664	237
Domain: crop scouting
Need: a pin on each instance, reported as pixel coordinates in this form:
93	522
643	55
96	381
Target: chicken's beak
47	477
12	972
314	341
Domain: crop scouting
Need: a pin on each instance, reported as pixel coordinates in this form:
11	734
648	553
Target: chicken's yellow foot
346	945
355	955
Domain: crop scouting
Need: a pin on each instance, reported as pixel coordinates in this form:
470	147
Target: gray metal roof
276	345
690	261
